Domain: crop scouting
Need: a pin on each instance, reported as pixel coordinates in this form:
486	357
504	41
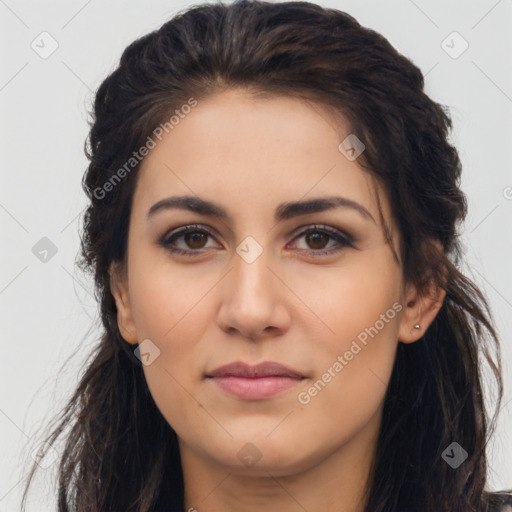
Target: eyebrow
283	212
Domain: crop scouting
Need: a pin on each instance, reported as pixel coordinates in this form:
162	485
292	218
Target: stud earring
417	326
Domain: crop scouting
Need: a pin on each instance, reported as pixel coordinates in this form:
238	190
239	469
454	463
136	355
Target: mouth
257	382
265	369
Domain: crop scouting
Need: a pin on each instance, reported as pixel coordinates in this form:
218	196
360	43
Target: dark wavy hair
302	50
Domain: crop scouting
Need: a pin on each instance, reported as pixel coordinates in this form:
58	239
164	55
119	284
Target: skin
203	311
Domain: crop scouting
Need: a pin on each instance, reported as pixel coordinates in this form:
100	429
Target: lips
265	369
259	382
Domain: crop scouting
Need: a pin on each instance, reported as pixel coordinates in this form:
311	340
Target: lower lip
255	388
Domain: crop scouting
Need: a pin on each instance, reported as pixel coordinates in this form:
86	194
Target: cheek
172	377
170	308
355	360
339	407
359	301
165	299
354	369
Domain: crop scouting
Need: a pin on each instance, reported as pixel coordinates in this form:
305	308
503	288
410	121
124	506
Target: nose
254	299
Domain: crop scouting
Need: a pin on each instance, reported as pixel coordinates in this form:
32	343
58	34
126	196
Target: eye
195	237
317	236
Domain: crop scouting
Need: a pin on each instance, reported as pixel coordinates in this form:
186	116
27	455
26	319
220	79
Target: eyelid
322	227
189	227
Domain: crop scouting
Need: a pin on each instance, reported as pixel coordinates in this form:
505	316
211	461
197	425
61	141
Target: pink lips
255	382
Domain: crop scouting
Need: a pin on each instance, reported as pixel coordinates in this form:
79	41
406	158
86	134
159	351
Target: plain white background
48	308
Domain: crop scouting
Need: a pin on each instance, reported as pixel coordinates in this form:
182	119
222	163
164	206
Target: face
317	290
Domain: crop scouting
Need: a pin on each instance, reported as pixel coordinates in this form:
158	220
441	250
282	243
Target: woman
272	230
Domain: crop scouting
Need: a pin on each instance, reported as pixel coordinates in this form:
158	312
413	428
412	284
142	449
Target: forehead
252	153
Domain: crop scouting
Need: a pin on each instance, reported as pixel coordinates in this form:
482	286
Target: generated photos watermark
305	397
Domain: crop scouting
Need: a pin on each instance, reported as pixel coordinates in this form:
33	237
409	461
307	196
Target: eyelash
343	240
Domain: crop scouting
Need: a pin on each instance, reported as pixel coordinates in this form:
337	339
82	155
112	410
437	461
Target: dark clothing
506	502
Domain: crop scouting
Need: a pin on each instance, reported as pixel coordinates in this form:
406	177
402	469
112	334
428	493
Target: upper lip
264	369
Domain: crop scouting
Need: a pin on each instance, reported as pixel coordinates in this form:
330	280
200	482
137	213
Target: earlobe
119	290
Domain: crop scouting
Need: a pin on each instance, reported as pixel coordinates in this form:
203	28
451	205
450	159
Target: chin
263	456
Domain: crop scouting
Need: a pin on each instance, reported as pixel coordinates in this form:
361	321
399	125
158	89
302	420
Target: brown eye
317	240
318	237
195	240
193	237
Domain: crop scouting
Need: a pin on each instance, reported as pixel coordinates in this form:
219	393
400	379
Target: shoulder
500	501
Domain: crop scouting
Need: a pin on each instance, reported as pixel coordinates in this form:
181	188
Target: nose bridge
251	300
251	276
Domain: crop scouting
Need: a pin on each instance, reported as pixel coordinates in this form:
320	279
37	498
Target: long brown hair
435	396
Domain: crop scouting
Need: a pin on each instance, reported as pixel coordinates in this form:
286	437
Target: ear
119	289
421	308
